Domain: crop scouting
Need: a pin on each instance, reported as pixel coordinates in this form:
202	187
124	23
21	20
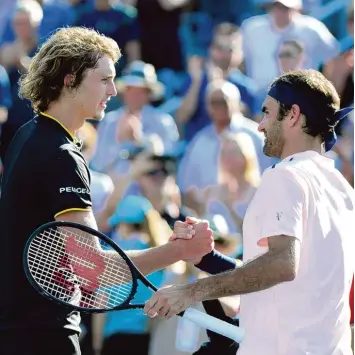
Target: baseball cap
291	4
131	210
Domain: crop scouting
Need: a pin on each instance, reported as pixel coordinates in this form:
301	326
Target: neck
242	183
67	115
301	145
134	110
221	126
237	181
285	22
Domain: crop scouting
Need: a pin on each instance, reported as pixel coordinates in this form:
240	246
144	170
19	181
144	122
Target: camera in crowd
167	160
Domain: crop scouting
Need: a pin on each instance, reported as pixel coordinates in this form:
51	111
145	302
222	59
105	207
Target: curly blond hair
71	51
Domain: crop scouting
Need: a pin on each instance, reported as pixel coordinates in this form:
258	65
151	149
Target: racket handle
216	325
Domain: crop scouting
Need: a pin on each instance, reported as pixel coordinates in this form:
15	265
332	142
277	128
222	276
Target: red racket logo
86	263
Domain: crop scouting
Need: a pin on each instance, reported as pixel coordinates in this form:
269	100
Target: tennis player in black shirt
46	178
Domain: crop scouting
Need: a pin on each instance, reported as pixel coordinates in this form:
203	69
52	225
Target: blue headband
287	95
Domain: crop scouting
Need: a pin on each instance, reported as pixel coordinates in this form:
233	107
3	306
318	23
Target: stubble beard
274	141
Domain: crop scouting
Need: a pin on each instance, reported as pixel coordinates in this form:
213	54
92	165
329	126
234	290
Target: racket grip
216	325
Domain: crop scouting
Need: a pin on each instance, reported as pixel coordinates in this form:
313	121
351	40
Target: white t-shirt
261	43
306	197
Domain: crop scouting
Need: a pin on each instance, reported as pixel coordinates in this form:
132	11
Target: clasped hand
198	240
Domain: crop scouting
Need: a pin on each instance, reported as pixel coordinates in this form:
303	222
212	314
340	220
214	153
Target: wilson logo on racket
88	264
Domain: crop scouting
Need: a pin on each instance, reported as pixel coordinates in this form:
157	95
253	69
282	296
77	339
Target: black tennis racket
83	269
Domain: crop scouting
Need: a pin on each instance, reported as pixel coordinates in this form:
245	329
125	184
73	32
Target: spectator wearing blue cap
136	219
136	226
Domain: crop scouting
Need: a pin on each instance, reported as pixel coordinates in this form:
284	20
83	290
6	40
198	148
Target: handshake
193	238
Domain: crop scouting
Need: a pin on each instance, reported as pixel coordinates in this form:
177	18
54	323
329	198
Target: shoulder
68	157
255	23
163	118
111	118
286	173
248	126
310	24
200	136
239	79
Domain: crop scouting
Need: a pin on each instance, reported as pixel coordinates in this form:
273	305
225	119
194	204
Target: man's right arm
153	259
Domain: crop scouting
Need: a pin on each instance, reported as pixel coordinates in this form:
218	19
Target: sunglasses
217	102
287	55
225	47
157	172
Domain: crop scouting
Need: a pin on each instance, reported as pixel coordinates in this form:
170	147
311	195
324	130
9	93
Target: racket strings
67	264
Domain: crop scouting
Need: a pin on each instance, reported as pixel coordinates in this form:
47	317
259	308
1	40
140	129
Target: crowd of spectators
181	137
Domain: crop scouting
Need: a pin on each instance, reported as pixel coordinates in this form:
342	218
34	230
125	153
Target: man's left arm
279	264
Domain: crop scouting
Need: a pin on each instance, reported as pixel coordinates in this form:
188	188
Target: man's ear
69	80
294	115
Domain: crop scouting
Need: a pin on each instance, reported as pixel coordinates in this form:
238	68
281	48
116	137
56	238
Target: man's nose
112	90
261	126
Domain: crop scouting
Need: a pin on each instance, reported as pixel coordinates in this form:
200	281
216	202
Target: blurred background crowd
181	137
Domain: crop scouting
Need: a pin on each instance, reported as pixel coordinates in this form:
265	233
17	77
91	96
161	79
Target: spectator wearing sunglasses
291	56
153	177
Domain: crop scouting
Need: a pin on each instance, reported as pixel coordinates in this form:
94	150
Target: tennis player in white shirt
298	234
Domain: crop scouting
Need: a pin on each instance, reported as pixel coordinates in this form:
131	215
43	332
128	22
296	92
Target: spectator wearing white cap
136	122
291	56
262	36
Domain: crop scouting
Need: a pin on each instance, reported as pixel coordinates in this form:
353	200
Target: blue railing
334	14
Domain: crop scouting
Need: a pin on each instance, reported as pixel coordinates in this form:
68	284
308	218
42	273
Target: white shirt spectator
261	41
306	197
199	167
100	189
154	122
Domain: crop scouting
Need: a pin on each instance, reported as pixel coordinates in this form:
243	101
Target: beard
275	141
